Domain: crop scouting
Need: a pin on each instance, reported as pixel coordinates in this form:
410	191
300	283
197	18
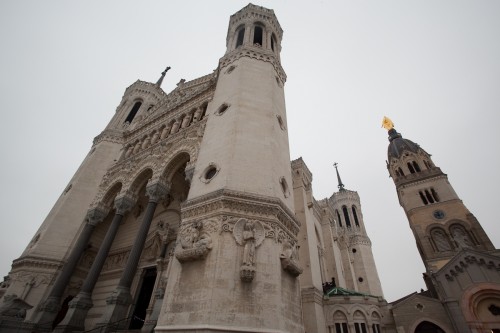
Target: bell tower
236	268
440	222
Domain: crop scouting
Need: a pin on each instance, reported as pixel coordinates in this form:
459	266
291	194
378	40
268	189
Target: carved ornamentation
195	241
13	306
289	259
249	234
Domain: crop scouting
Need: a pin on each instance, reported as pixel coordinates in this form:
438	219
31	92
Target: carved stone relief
289	260
249	234
195	241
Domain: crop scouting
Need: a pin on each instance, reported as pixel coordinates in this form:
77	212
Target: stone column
120	299
49	309
80	305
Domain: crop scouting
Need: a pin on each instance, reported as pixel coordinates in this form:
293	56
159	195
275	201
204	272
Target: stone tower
360	273
440	222
240	188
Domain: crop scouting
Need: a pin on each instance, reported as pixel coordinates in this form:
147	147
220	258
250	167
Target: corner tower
360	272
241	274
439	220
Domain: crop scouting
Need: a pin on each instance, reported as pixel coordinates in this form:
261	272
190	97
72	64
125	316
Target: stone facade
188	216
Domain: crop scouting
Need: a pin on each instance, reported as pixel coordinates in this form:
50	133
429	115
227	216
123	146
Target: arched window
440	240
257	35
434	195
356	221
460	236
401	172
346	216
273	42
429	196
240	37
338	217
428	327
340	320
204	110
424	199
410	167
415	166
133	112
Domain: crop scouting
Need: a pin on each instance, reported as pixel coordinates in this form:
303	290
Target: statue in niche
249	234
13	306
289	260
194	242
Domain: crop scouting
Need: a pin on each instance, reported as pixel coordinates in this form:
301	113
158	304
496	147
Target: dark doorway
62	313
142	301
427	327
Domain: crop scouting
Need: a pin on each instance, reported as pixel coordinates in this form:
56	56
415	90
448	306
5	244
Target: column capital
157	190
124	203
96	214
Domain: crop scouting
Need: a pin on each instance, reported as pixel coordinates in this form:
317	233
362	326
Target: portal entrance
427	327
142	302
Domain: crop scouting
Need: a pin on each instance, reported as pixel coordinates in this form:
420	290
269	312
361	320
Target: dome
398	145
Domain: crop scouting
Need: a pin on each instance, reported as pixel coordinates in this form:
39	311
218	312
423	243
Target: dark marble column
120	299
51	306
80	305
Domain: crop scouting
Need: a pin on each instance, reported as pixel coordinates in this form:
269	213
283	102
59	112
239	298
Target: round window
210	173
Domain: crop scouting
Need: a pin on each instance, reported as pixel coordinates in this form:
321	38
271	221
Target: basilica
187	215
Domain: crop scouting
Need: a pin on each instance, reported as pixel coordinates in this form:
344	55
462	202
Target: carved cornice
419	177
110	135
36	262
254	52
251	13
241	204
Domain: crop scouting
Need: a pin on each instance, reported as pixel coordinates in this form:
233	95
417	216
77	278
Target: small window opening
427	164
429	196
356	221
360	279
422	196
239	39
410	167
346	216
204	108
338	218
435	195
397	173
257	36
401	172
210	173
284	186
354	250
415	165
133	112
150	107
223	108
376	328
272	42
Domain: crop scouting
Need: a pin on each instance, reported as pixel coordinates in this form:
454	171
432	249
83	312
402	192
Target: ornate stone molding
254	52
124	204
157	190
109	135
96	215
195	240
234	203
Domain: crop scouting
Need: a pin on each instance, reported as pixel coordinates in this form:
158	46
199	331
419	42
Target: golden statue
387	123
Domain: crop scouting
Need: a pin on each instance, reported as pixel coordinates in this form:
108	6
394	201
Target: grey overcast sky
432	66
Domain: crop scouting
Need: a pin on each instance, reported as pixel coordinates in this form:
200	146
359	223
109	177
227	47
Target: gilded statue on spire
387	123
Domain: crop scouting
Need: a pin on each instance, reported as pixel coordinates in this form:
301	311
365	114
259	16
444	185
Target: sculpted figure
249	239
13	306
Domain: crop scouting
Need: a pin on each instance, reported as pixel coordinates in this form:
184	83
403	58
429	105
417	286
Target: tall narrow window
435	195
338	217
429	197
346	216
356	221
133	112
257	35
241	35
424	199
410	167
273	42
401	172
416	167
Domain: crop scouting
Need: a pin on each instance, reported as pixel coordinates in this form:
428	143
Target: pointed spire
340	186
160	80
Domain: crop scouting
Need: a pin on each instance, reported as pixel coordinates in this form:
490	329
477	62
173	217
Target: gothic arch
333	310
356	308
